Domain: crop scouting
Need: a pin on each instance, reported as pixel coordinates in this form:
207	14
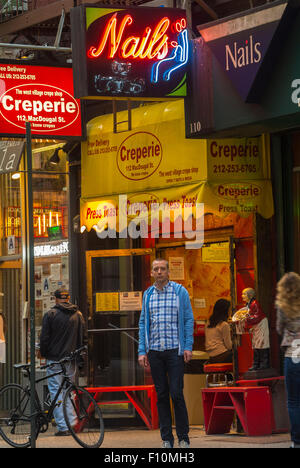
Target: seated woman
218	343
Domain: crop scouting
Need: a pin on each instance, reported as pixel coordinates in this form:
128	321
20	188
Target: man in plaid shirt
165	343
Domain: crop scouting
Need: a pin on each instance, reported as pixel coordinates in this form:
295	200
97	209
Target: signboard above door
40	95
135	53
248	45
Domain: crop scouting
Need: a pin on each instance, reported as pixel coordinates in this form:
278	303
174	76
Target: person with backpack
63	331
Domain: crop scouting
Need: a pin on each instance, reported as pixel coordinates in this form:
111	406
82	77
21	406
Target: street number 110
195	127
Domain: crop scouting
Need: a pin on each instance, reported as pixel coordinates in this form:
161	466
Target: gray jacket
289	329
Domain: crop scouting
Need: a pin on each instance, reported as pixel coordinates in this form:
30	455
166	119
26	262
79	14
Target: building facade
251	74
224	148
28	94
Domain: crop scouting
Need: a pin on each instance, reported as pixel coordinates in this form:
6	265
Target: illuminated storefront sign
247	46
136	52
43	220
41	95
50	250
144	177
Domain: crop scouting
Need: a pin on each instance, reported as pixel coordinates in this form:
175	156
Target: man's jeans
167	369
53	386
292	378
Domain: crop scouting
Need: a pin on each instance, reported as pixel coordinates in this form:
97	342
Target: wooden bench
150	418
252	404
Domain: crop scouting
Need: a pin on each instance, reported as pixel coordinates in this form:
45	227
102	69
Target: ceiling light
55	158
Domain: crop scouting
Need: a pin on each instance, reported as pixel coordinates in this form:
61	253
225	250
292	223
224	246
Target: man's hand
143	360
187	355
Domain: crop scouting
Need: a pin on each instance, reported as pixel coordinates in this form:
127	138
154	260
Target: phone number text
234	168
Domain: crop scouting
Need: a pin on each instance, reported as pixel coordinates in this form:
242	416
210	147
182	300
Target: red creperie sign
40	95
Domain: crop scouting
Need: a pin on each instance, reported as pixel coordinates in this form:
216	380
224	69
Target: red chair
219	374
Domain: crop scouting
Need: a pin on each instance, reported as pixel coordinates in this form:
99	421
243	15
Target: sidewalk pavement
142	438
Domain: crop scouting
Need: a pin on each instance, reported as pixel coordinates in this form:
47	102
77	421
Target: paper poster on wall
53	286
107	302
217	252
38	290
55	269
38	273
46	285
131	300
48	303
199	303
176	268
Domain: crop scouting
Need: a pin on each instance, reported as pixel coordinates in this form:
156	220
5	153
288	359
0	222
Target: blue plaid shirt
163	308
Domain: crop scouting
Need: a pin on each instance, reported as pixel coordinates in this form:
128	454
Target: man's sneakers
294	445
182	444
166	444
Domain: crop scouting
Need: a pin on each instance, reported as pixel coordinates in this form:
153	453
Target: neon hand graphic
179	58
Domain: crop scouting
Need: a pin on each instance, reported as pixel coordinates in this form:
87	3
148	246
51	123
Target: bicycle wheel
15	426
83	417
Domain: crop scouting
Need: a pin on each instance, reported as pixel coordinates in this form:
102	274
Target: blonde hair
288	295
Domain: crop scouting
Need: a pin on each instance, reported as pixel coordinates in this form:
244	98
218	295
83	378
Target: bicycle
15	423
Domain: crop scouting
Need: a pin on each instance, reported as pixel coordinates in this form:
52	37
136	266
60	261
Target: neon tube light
184	54
114	41
150	45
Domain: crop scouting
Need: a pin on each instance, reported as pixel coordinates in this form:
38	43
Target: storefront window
51	244
10	217
10	272
50	219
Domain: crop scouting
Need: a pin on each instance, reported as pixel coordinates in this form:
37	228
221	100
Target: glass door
116	280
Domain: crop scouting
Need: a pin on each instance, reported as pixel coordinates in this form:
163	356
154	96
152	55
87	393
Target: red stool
219	373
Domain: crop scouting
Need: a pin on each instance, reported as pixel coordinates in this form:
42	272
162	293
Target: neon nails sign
134	52
151	45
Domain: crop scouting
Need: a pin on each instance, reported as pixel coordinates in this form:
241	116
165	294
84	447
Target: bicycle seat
22	366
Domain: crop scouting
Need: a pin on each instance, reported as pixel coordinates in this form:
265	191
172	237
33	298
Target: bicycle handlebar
69	358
